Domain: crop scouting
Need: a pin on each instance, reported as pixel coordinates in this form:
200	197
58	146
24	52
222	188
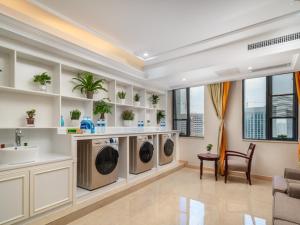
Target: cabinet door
14	195
50	186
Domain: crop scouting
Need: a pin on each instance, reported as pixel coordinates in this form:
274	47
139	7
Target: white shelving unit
18	94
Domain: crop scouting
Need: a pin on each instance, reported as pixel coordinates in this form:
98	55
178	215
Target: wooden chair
238	161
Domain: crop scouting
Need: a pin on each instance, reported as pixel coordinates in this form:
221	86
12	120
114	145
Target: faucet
18	137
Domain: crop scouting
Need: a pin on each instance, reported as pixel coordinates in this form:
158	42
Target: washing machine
141	154
166	149
97	162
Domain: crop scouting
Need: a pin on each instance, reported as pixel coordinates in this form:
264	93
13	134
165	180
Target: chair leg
248	178
225	173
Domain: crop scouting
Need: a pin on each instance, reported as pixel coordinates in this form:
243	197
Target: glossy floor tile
183	199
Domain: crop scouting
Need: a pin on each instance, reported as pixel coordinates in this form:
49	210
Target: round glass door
107	160
168	147
146	152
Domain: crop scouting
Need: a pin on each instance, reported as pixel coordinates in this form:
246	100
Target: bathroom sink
17	155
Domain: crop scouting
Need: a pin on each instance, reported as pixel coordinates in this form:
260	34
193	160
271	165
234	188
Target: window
270	108
188	111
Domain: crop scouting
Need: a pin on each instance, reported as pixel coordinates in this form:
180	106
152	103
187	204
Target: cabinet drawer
51	186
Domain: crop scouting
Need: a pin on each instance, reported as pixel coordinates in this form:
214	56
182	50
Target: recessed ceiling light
250	68
183	79
145	54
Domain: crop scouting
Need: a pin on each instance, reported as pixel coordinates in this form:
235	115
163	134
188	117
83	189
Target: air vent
280	66
274	41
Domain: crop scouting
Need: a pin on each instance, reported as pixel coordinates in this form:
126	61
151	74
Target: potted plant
154	100
128	117
137	98
42	79
209	147
159	116
86	84
75	116
101	108
30	118
122	96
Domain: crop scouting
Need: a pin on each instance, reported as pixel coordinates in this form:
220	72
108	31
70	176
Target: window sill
271	141
192	137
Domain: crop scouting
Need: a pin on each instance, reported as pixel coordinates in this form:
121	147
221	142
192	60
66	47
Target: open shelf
27	66
27	92
129	91
7	67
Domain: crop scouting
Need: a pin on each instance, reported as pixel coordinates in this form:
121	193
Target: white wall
270	158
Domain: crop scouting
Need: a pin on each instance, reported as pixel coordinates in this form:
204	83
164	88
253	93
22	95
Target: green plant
137	97
121	94
154	99
209	147
86	84
75	114
31	113
102	108
127	115
159	116
42	78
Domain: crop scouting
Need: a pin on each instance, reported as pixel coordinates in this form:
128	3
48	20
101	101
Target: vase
89	94
75	123
30	122
123	101
43	87
138	103
127	123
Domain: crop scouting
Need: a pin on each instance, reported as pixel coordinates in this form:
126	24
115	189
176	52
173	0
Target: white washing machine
97	162
141	154
166	149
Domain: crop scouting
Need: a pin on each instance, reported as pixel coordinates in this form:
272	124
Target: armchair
286	198
238	161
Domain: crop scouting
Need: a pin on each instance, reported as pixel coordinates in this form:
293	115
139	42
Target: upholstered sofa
286	198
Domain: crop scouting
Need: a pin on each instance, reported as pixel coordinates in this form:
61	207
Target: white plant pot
137	103
127	123
75	123
154	106
43	88
123	101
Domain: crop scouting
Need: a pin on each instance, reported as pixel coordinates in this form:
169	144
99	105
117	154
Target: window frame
269	116
188	119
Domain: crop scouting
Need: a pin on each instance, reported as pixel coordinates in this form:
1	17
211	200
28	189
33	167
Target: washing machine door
107	160
168	147
146	152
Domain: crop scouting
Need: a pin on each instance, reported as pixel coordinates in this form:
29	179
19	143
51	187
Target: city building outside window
188	111
270	108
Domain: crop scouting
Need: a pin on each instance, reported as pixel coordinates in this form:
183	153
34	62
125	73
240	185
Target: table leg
201	168
216	169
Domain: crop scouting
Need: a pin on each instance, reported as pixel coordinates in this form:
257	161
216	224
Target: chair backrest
250	151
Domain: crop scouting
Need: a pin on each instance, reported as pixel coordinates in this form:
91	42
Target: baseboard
234	173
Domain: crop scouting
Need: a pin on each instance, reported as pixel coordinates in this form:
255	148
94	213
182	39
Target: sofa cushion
279	184
282	222
293	174
286	208
294	190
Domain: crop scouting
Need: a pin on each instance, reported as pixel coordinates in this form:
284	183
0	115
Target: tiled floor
181	198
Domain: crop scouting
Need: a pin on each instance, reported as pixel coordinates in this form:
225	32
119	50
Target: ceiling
190	41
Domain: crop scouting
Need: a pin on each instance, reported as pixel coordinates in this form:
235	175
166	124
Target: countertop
43	158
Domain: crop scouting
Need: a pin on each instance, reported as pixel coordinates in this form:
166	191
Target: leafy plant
121	94
127	115
102	108
86	83
137	97
209	147
159	116
154	99
42	78
31	113
75	114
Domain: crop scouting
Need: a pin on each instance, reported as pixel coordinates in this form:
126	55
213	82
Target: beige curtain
219	93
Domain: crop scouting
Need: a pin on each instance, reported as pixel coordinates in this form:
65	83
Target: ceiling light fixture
183	79
145	54
250	68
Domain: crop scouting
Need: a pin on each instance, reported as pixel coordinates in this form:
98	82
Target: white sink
17	155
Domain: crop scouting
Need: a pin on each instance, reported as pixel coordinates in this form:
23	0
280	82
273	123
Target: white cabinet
50	186
14	195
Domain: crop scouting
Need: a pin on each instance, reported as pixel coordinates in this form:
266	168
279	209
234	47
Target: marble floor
183	199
